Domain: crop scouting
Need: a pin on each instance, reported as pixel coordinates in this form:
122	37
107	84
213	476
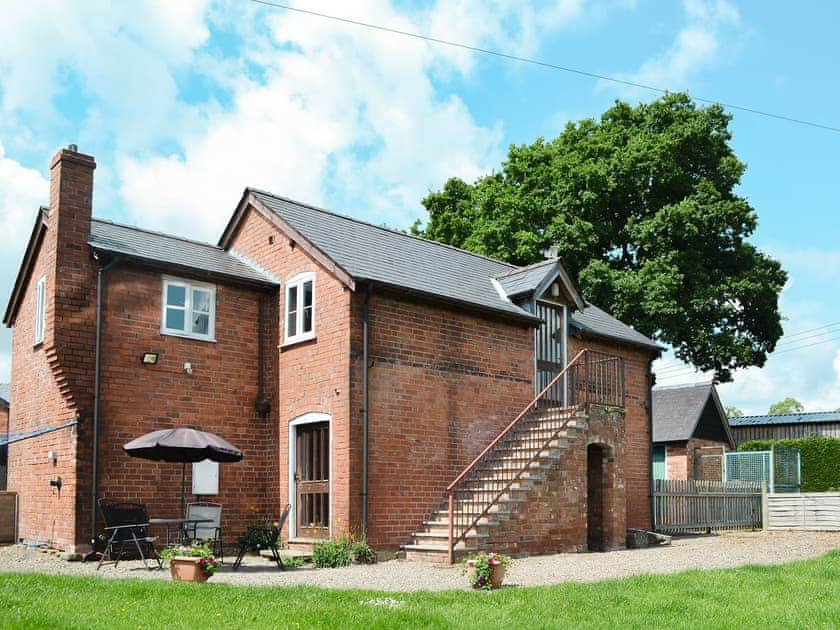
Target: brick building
360	370
690	432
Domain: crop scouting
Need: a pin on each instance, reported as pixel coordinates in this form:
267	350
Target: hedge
820	458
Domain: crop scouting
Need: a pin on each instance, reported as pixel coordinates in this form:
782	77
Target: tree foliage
733	412
641	205
788	405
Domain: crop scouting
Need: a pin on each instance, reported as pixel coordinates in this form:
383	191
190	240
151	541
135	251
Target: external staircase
490	492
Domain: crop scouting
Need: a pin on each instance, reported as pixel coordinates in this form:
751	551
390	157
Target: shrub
362	553
331	554
819	457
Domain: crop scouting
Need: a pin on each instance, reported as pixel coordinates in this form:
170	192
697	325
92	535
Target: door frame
307	418
564	327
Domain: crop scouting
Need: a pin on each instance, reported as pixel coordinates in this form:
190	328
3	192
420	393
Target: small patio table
181	526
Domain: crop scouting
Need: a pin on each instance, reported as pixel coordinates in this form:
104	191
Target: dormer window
189	309
300	308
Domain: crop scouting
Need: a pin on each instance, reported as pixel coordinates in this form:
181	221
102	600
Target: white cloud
697	44
22	191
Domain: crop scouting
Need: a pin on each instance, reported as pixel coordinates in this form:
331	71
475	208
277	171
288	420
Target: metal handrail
603	382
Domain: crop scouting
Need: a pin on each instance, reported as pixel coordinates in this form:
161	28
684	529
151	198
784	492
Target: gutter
96	392
365	404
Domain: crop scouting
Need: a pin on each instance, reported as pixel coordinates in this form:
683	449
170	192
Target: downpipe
96	394
365	405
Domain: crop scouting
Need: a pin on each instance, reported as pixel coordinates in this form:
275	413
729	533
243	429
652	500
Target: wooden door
312	479
551	355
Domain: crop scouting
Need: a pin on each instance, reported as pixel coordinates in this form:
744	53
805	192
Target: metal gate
780	468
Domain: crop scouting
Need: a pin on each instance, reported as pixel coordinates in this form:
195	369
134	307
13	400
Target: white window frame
40	310
298	281
189	286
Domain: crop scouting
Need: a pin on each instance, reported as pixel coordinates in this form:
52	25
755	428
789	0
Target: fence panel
683	506
813	511
8	517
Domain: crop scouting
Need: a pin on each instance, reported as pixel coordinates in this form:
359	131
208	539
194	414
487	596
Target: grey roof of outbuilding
525	280
786	418
4	393
595	320
676	410
149	246
371	252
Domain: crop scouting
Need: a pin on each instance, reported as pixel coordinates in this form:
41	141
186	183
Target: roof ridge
780	415
548	261
683	385
379	227
159	233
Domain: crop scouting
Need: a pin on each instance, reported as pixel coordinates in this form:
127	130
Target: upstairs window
40	309
300	308
189	309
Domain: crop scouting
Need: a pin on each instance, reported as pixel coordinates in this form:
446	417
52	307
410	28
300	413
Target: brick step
498	484
484	523
441	538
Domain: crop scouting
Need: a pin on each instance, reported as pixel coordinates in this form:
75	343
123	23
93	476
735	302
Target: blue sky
184	104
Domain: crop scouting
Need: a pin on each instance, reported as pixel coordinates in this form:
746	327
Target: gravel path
708	552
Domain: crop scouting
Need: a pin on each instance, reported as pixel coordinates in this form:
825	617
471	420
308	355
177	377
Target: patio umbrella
182	445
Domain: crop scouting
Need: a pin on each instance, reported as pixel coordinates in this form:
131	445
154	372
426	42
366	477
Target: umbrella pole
183	487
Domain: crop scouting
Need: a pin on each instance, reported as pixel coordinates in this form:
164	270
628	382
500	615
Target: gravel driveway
707	552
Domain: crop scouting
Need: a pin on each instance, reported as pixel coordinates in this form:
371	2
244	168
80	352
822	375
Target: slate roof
677	409
526	279
4	394
156	247
371	252
597	321
786	418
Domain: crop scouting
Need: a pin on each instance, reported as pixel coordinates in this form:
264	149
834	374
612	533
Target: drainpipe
650	443
365	404
96	369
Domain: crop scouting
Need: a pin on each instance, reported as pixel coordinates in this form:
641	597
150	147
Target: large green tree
788	405
642	208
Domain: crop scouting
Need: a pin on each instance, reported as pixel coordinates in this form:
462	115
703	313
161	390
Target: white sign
205	477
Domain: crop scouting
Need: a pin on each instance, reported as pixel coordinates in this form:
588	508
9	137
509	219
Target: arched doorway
598	458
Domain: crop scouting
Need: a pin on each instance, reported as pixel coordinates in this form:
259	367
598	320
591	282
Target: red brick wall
556	516
50	383
637	467
676	462
682	459
218	396
4	419
312	376
443	384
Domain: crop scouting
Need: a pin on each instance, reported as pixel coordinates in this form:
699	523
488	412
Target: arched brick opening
599	482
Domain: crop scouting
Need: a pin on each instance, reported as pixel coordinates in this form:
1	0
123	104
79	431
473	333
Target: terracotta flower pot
187	569
496	577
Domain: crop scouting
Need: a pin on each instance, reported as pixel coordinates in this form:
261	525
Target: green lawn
797	595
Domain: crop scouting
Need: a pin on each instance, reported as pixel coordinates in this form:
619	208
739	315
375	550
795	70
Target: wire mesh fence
779	468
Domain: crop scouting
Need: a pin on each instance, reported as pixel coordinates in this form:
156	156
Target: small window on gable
300	308
40	309
189	309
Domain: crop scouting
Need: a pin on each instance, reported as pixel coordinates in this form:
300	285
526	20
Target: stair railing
592	377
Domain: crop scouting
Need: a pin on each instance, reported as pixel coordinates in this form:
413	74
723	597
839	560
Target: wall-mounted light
555	290
52	457
150	358
188	368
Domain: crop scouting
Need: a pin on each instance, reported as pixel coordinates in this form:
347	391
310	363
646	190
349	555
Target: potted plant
486	570
193	563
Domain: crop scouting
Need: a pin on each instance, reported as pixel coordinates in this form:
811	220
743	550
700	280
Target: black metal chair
211	531
127	529
264	537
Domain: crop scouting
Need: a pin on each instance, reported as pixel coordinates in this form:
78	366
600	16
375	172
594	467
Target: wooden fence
815	511
8	517
686	506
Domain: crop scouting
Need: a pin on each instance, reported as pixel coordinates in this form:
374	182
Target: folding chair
264	537
127	527
210	532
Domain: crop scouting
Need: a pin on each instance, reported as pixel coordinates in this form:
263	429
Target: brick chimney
71	199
